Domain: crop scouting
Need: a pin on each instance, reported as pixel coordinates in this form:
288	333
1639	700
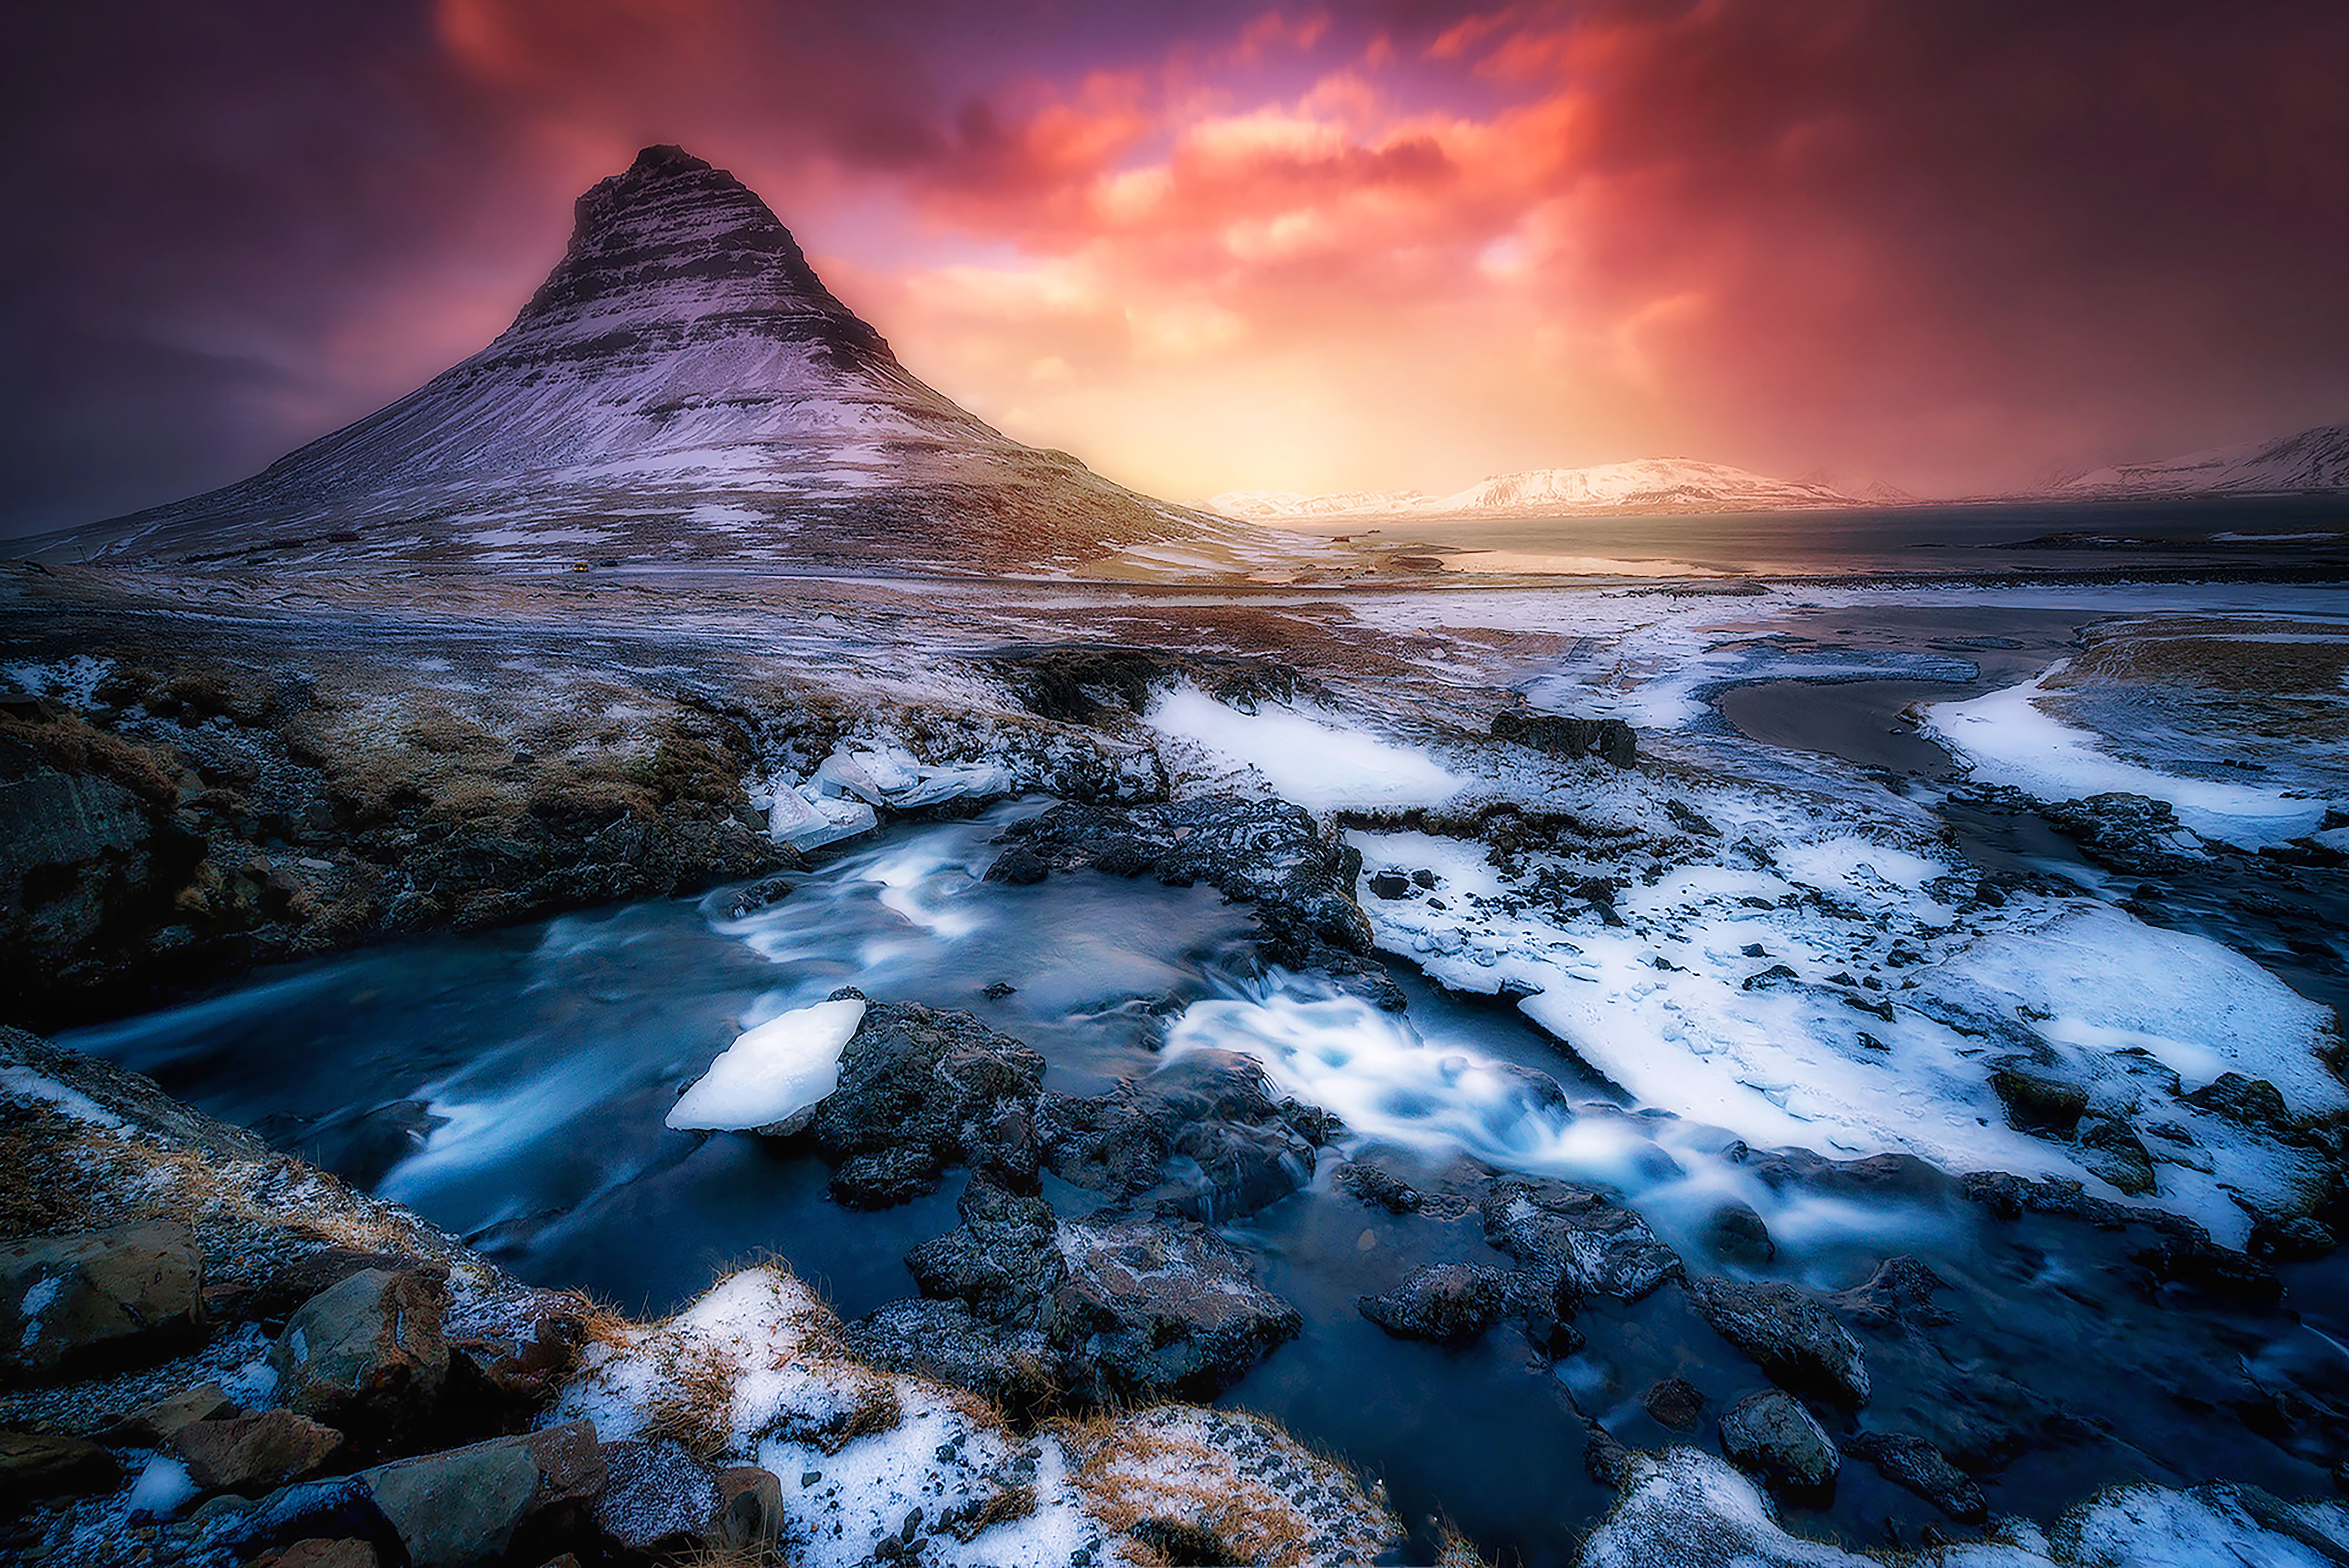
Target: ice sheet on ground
2196	1008
2007	738
772	1076
1308	756
1733	992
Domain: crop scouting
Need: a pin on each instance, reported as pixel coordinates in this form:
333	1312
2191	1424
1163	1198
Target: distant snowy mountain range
1651	485
2312	461
681	389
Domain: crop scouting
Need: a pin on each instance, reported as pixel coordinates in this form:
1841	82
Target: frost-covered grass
753	1372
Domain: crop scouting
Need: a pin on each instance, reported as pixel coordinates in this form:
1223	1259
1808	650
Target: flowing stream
511	1085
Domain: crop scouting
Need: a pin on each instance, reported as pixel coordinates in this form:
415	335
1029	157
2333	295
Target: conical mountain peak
682	387
674	237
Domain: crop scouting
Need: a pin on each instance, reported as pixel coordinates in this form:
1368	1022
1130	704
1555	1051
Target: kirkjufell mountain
682	388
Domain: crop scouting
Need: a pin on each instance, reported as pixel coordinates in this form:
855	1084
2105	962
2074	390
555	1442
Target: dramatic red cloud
1389	244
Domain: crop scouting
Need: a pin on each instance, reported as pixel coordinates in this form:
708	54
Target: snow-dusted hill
682	389
2315	459
1648	485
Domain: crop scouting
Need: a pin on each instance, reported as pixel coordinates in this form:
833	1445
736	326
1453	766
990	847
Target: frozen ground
1743	946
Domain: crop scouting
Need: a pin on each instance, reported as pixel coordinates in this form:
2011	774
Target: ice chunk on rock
809	824
771	1079
893	777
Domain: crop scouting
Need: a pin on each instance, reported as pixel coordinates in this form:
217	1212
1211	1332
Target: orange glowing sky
1954	247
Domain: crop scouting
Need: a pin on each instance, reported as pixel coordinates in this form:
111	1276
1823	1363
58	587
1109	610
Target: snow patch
71	681
2006	738
1312	757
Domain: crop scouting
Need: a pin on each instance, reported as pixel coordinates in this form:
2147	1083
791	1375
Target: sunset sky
1954	246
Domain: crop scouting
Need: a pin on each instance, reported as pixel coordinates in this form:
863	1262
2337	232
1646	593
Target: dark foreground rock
1912	1462
1772	1437
1110	1309
921	1089
367	1355
1264	852
444	1510
256	1453
1793	1336
1610	739
1205	1133
89	1297
1586	1244
37	1466
1449	1304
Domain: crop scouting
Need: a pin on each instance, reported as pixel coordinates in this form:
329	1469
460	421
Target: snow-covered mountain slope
682	389
1648	485
2315	459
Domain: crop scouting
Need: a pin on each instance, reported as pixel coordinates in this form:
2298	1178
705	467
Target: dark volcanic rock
1605	1459
1609	738
36	1466
1792	1336
656	1496
1079	682
467	1505
151	1425
1774	1437
1157	1308
1110	1309
1001	1260
2111	1148
1674	1403
1266	852
1898	1297
761	894
1450	1303
2130	833
1913	1462
1205	1130
1019	866
1015	1367
1371	1185
2250	1101
1591	1246
921	1089
1735	1233
2036	1100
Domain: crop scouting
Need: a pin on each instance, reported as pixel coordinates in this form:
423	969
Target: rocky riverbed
1827	1171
